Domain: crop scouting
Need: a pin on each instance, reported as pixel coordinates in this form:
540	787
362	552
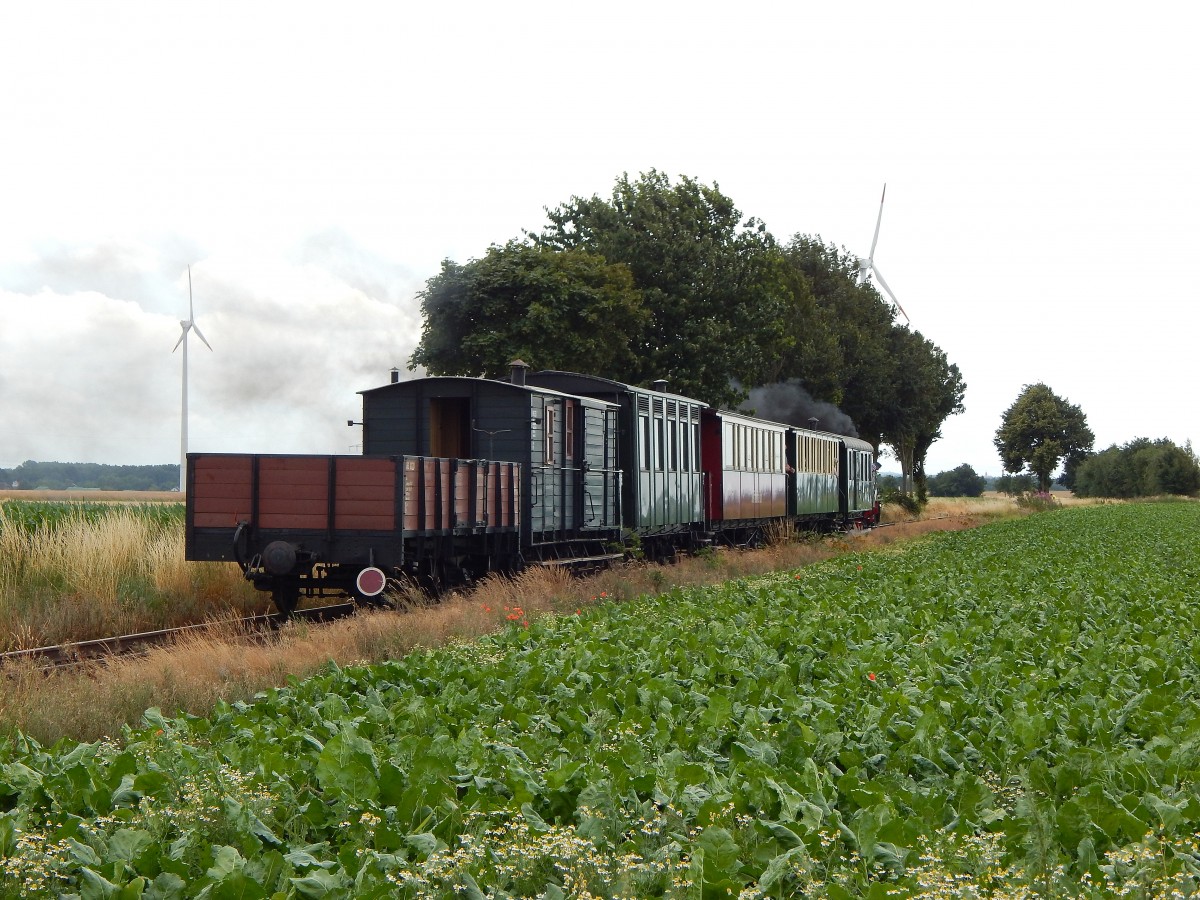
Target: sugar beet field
1011	711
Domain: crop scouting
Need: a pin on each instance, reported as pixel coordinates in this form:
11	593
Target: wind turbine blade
878	222
196	328
883	284
180	341
192	314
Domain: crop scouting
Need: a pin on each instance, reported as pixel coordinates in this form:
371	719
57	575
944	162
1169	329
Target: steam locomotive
461	476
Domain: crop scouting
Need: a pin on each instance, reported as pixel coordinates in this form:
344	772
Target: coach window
569	430
644	454
550	425
673	433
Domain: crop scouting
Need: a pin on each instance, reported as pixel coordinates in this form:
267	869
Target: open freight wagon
322	525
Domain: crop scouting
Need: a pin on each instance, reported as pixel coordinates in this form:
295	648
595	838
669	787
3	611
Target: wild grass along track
73	654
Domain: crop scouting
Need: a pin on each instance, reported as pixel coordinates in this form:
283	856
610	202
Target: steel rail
78	652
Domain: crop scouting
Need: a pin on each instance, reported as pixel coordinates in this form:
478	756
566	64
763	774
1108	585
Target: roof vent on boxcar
660	385
519	368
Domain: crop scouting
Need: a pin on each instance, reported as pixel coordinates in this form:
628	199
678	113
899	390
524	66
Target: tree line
669	280
1041	430
58	476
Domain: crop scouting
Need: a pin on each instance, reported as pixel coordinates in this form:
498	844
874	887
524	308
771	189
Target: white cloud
88	377
314	166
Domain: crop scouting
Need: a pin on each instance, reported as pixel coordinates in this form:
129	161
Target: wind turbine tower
187	325
867	267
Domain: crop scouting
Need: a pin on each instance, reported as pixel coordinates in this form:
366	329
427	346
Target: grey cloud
126	270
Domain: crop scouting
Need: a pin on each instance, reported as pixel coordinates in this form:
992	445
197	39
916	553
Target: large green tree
717	289
1039	430
669	280
566	309
925	389
841	341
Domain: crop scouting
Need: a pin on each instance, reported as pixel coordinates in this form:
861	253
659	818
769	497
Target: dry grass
194	674
77	580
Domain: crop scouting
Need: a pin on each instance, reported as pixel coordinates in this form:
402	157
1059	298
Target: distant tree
1071	468
567	309
887	483
57	476
924	389
1038	431
960	482
1141	468
1178	469
1014	485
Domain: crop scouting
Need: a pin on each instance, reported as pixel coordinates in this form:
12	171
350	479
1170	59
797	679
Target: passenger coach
660	458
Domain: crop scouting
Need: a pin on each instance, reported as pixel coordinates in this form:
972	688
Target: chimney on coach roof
395	375
519	368
660	385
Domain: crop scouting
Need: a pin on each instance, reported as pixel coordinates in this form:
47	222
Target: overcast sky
314	163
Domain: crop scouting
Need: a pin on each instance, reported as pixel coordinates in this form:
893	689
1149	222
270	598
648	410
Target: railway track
80	652
930	519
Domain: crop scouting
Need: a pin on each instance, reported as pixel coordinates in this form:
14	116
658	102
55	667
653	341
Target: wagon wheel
286	598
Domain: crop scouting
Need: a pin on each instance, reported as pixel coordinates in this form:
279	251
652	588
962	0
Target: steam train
460	477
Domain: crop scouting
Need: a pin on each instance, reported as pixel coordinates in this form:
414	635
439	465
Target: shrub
906	502
1037	501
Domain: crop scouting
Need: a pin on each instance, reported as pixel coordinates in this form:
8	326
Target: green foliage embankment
1010	711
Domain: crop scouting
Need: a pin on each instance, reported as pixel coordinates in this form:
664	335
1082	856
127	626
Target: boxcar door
600	481
450	427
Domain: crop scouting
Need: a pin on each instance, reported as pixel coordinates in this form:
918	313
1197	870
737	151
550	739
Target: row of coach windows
669	443
752	449
816	455
860	466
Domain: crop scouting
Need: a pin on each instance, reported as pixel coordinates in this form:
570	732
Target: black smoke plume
788	402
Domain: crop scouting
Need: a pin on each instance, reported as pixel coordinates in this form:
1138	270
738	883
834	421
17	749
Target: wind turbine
867	266
187	325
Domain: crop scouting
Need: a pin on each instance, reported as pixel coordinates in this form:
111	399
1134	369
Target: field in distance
87	495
